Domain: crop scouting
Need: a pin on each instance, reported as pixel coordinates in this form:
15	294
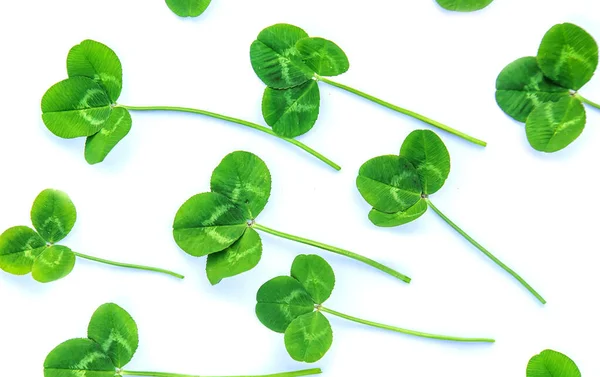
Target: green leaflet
53	215
552	364
323	56
428	154
554	125
98	62
19	246
116	332
315	275
99	145
308	337
75	107
54	263
280	301
240	257
389	183
188	8
464	5
245	180
568	55
77	358
292	112
389	220
276	60
522	86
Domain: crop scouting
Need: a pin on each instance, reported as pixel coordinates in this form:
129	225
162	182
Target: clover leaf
552	364
85	104
221	224
292	305
464	5
24	250
188	8
111	344
291	64
542	91
381	183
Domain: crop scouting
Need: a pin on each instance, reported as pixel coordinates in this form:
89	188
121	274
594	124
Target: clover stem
487	253
404	111
255	126
127	265
335	250
305	372
585	100
405	331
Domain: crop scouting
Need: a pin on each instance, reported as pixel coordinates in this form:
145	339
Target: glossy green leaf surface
308	337
19	246
188	8
428	154
245	180
77	358
276	60
98	62
464	5
280	301
552	364
208	223
99	145
522	86
568	55
75	107
315	275
240	257
53	215
323	56
554	125
116	333
388	220
292	112
389	183
54	263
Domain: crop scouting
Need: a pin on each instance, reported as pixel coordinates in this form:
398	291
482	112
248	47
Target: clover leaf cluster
550	363
188	8
464	5
542	91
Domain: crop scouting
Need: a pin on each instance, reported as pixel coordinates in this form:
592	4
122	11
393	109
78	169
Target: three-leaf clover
292	64
188	8
24	250
221	224
398	187
542	91
85	104
552	364
111	344
293	305
464	5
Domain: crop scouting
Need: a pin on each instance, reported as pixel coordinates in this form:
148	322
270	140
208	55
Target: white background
536	212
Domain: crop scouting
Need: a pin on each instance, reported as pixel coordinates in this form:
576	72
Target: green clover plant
24	250
188	8
84	105
292	64
543	91
464	5
221	224
111	344
398	187
293	305
552	364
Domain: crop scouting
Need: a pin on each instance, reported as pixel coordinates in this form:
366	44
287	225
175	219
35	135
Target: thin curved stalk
132	266
336	250
487	253
306	372
242	122
399	109
405	331
585	100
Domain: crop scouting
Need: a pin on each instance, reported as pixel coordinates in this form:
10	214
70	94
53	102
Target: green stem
306	372
487	253
405	331
335	250
585	100
404	111
255	126
127	265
